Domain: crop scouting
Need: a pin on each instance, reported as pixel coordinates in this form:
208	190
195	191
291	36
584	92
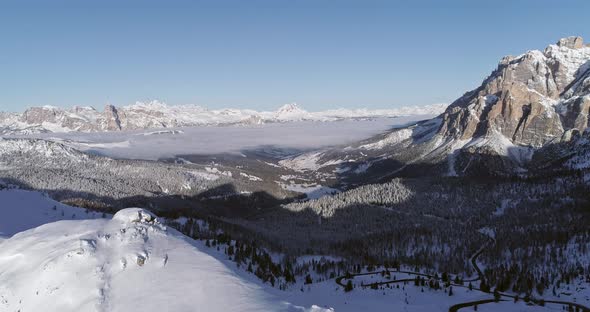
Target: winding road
480	276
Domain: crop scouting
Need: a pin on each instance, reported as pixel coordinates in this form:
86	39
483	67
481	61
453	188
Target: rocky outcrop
575	113
38	115
572	42
57	118
113	123
528	103
530	99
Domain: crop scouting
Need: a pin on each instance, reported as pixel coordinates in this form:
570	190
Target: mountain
498	179
530	101
130	263
292	112
528	104
155	115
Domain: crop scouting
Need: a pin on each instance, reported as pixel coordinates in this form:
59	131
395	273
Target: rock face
55	118
113	122
530	99
527	104
571	42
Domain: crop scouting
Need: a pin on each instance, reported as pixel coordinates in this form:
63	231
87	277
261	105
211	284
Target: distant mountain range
158	115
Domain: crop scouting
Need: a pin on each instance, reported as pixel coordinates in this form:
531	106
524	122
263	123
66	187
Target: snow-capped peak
289	109
291	112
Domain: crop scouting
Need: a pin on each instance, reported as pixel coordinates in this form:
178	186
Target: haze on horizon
262	54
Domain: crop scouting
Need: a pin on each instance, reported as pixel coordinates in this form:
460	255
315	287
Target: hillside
131	262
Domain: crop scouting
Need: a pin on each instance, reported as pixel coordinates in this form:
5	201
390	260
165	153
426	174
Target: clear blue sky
261	54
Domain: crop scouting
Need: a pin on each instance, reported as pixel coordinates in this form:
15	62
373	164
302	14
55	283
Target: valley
479	205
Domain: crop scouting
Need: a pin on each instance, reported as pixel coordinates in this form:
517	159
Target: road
480	276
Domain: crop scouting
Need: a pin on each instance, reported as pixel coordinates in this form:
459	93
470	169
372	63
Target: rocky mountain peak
530	99
113	122
291	111
289	108
38	115
572	42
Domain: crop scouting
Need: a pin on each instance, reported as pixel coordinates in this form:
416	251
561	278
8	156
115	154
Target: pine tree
496	295
348	286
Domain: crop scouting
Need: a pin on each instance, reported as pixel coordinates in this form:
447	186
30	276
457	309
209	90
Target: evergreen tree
496	295
348	286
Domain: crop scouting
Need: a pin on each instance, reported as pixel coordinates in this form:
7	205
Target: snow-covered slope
159	115
22	210
129	263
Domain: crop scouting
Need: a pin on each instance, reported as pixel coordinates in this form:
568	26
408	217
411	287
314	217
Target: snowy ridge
159	115
129	263
39	148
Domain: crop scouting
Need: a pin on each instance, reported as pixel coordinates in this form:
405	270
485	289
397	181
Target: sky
261	54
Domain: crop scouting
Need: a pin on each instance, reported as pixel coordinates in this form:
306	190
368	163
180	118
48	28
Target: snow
312	191
21	210
503	146
250	177
48	150
131	215
133	262
202	175
129	263
362	168
505	204
156	114
571	60
328	295
292	112
509	306
406	298
307	161
391	139
433	109
214	170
